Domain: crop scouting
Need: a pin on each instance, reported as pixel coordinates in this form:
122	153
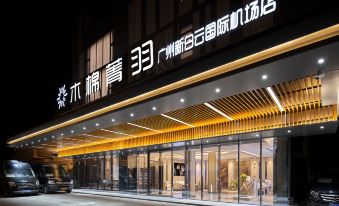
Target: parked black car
53	178
17	178
324	189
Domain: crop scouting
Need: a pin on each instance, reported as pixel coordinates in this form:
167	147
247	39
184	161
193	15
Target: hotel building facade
194	99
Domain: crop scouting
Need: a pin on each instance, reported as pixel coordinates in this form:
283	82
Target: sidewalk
155	198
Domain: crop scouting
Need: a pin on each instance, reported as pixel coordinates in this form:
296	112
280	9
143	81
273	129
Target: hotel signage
142	58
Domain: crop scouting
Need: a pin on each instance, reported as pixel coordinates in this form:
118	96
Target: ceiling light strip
275	98
89	135
218	111
172	118
106	130
136	125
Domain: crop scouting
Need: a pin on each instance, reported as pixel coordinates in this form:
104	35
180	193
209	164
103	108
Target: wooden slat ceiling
293	95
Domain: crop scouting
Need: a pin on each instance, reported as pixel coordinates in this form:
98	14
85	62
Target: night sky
36	59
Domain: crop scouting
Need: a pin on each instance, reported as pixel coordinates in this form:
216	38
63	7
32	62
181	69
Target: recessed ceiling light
322	127
53	137
217	90
187	143
321	60
264	77
289	131
113	120
218	111
38	140
97	124
84	128
207	141
275	98
257	135
132	114
154	108
72	131
230	138
182	100
45	139
62	134
155	147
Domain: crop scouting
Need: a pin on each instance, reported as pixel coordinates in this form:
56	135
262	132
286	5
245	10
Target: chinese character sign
142	57
221	26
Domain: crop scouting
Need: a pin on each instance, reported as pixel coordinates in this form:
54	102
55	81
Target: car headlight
315	195
11	184
51	182
37	183
71	182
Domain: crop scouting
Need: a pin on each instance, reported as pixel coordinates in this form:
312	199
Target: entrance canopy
281	93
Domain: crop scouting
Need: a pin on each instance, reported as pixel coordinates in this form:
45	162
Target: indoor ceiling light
72	131
275	98
136	125
322	127
113	120
218	111
132	114
111	131
217	90
97	124
154	108
84	128
288	131
172	118
249	153
264	77
182	100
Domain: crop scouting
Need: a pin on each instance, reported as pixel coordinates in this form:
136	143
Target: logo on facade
62	96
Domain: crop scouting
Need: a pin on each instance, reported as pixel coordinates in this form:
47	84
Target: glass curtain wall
247	171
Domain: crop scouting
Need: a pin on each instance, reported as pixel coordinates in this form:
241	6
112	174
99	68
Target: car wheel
5	192
69	190
45	190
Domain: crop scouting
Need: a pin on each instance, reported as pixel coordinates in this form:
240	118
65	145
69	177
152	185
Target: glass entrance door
250	165
161	173
166	173
194	167
179	173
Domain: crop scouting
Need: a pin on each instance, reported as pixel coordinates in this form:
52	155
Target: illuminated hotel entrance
222	140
